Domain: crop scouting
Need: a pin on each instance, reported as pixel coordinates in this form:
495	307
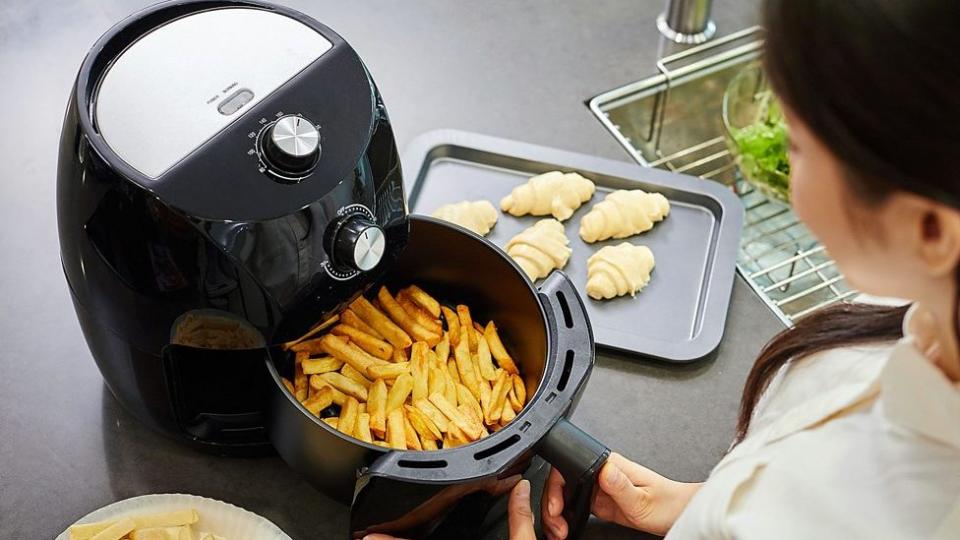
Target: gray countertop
519	70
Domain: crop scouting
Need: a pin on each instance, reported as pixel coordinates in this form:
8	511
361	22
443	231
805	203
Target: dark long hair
878	82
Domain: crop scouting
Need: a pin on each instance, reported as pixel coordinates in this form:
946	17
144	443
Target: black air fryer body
207	171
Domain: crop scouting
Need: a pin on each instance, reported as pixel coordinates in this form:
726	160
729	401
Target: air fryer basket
546	332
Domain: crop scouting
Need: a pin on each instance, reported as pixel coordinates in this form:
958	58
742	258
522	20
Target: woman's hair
878	82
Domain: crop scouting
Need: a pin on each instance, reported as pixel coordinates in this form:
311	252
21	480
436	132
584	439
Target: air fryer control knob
359	244
291	145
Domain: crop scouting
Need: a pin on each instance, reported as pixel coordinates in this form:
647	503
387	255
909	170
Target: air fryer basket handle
579	458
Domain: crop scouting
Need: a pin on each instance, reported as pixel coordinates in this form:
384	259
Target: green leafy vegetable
762	147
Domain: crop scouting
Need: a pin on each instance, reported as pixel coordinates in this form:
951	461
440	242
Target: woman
850	422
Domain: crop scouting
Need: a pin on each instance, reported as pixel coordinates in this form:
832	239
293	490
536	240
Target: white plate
218	517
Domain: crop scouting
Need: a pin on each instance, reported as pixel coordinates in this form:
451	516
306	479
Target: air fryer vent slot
414	464
565	307
497	448
567	368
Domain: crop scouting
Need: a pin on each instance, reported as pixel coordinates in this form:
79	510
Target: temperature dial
291	145
359	244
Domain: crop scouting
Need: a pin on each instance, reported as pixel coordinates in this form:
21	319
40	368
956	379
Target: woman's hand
629	494
519	515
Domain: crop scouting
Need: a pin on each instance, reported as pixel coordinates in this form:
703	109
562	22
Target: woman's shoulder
801	383
858	476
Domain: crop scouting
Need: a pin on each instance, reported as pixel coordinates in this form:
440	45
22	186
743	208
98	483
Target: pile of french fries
176	525
390	373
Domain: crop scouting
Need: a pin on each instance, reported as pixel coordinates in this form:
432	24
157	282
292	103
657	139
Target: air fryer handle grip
579	458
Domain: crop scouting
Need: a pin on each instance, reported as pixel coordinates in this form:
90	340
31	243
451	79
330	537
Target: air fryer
227	172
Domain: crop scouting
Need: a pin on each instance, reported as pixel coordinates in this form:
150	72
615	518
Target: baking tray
680	316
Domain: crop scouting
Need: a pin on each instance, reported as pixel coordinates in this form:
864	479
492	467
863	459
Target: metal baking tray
680	316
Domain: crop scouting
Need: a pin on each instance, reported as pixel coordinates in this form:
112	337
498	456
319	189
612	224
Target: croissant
478	216
540	248
553	193
618	270
623	213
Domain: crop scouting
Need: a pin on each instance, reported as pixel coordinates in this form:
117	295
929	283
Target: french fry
289	386
465	366
499	395
471	415
320	400
449	441
347	353
176	518
332	421
486	399
381	323
419	371
458	435
429	444
442	349
399	355
465	397
478	327
471	430
403	319
396	430
299	377
450	388
399	392
116	530
372	345
497	349
315	366
383	444
507	415
346	385
410	434
433	413
476	369
520	389
466	321
351	318
363	428
388	371
436	380
377	405
363	406
348	416
422	424
453	371
514	400
317	383
424	300
453	325
183	532
485	360
350	373
419	315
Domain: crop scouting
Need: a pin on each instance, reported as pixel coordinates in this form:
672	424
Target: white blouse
859	442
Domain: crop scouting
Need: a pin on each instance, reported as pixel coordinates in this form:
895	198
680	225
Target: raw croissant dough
553	193
623	213
540	248
478	216
618	270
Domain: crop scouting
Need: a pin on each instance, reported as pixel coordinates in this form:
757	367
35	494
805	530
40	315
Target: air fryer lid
176	97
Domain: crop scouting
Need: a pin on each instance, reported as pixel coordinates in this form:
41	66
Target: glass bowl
756	133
